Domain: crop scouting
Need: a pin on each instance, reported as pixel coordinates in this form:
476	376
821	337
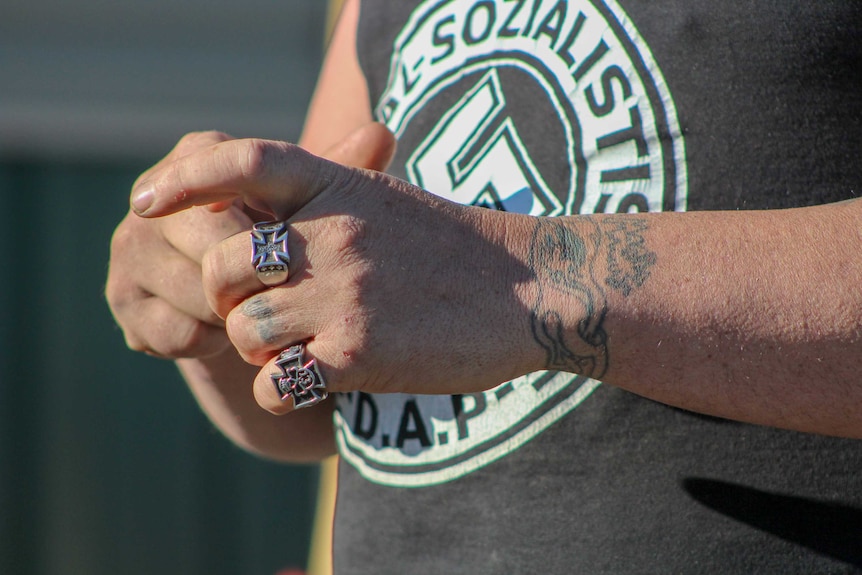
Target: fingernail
142	200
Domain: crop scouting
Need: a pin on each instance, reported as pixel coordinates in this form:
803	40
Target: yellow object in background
320	556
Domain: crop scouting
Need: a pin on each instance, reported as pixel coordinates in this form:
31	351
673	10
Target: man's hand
392	288
155	291
154	280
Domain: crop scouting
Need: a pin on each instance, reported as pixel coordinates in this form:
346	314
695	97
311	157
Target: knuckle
213	272
189	139
218	278
198	139
121	290
209	135
122	238
237	329
243	334
347	233
135	343
253	163
254	330
117	294
191	341
344	364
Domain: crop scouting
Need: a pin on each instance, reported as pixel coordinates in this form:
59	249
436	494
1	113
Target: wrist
583	267
516	288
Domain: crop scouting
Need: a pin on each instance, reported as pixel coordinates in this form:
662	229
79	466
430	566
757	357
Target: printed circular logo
545	108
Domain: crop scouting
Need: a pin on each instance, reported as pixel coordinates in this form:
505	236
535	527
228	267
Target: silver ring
269	252
299	380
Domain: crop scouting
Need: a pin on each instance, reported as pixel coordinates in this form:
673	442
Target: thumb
371	146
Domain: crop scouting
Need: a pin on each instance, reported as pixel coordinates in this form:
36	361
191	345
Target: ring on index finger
269	254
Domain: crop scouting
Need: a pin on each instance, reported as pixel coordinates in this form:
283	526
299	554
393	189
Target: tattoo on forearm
569	260
564	260
629	260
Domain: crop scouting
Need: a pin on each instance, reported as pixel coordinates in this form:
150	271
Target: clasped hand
392	289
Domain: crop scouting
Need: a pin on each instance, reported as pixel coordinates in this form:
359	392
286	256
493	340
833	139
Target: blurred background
106	463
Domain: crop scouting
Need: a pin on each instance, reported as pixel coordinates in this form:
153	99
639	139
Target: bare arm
755	316
752	315
340	103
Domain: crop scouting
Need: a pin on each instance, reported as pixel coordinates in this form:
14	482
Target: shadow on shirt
828	528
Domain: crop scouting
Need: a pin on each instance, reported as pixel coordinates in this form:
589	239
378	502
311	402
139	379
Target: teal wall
106	464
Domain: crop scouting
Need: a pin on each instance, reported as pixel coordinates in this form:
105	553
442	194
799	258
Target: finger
186	145
152	325
176	280
371	146
194	141
229	276
143	264
261	320
270	321
257	321
152	264
267	394
195	231
276	177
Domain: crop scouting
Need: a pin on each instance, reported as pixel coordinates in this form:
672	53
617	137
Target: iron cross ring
298	379
269	252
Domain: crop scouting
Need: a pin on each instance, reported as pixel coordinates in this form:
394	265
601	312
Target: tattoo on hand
568	260
259	309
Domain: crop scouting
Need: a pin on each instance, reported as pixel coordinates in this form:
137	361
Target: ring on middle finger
269	254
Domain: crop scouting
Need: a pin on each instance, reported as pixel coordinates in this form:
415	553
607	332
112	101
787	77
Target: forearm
753	316
222	386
